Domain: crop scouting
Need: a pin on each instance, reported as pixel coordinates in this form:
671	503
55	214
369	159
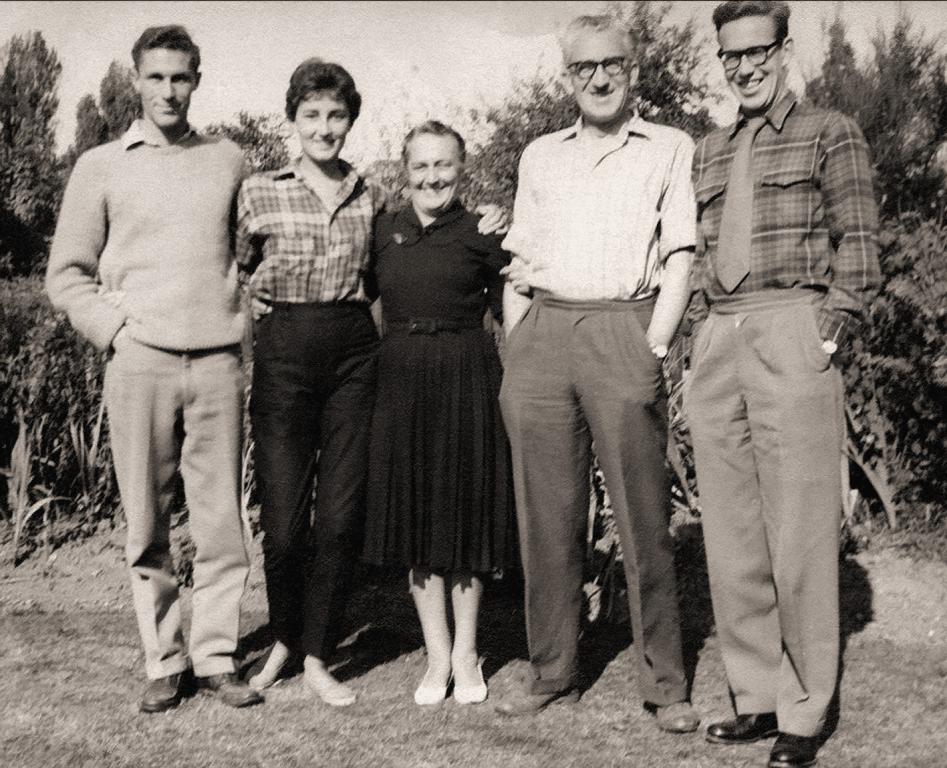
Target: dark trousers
310	412
577	373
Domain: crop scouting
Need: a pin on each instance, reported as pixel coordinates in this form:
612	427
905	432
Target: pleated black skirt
440	487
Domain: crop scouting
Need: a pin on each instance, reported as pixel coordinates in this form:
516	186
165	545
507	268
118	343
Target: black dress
440	492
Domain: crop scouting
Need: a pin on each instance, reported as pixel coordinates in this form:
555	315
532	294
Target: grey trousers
765	410
169	410
577	373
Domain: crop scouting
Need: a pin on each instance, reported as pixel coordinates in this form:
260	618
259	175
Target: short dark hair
433	128
173	37
315	76
737	9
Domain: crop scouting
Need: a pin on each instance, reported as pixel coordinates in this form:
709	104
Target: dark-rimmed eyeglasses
585	70
756	55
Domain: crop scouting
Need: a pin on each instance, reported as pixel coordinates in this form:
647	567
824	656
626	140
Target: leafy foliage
91	128
29	178
261	137
51	410
119	102
897	382
899	99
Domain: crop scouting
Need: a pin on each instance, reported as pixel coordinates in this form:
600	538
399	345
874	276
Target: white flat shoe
331	691
471	694
429	695
267	677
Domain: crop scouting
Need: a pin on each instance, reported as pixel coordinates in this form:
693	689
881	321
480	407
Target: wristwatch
829	347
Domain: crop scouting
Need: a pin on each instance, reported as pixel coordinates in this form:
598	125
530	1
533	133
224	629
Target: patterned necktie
736	222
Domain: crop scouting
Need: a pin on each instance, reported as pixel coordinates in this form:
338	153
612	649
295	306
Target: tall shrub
29	179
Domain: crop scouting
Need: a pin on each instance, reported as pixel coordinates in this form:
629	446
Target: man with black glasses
787	255
603	235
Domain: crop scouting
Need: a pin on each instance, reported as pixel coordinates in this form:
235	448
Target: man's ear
789	51
566	79
197	79
633	71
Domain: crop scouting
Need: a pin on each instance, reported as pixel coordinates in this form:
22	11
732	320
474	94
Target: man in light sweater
142	264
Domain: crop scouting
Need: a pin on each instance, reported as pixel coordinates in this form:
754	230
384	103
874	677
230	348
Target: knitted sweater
151	226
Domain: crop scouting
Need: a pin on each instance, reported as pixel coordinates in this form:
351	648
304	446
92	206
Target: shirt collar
349	181
135	136
776	115
408	221
633	125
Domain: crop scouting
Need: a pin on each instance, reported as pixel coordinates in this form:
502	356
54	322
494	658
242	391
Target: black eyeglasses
585	70
757	55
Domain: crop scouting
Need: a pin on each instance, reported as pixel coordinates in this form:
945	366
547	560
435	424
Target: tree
91	128
29	178
261	137
900	101
119	103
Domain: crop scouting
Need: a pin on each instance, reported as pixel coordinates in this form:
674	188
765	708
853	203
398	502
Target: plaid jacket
299	251
815	220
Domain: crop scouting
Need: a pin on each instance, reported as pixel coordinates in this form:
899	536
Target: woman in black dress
440	487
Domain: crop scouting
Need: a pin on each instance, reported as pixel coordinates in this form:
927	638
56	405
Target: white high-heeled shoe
426	695
472	694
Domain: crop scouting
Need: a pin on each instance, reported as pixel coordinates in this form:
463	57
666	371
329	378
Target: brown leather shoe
520	702
162	694
230	689
679	717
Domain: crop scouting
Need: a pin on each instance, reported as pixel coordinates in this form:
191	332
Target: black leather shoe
520	702
230	689
791	751
162	694
743	729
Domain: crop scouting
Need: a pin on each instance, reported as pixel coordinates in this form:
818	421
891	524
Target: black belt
429	325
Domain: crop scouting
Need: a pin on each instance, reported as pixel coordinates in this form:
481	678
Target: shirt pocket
789	198
788	176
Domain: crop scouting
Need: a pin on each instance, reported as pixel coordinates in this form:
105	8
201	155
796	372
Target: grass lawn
71	673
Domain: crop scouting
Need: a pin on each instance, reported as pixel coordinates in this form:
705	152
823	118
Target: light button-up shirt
597	218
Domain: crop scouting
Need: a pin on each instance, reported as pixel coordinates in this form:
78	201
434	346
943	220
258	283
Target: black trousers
310	413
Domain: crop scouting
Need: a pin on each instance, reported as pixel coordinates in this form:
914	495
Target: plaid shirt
815	221
298	250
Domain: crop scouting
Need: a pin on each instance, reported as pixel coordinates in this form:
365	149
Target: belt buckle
426	325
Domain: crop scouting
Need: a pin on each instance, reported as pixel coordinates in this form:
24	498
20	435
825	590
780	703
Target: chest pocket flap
789	174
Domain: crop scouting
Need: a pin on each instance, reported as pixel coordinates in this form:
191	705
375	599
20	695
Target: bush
52	426
897	379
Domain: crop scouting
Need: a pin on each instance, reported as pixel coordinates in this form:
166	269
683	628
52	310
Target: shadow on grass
856	612
380	624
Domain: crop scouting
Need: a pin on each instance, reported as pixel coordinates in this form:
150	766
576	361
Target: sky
410	60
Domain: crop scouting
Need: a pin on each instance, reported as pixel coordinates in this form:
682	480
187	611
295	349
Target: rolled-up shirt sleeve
678	207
